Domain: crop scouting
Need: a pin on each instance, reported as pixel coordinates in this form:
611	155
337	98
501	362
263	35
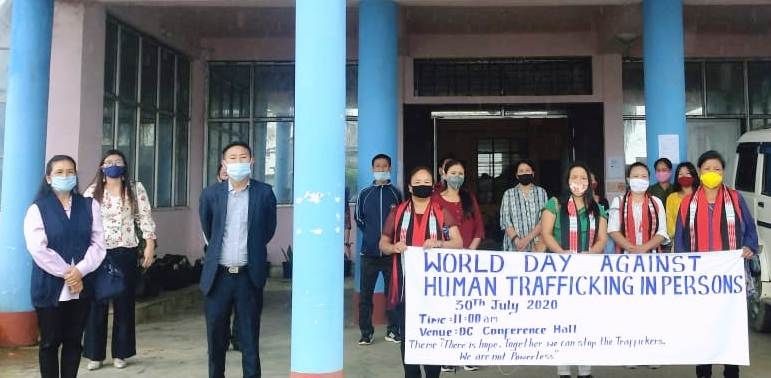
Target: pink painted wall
75	107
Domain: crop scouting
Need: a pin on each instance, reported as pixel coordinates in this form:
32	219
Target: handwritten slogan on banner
466	307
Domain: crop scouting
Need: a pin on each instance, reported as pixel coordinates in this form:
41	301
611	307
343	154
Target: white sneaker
470	367
119	363
93	365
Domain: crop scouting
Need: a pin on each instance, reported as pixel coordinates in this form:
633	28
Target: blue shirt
749	237
234	240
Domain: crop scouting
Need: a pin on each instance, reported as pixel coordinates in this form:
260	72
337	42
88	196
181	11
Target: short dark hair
529	163
664	160
237	144
637	164
381	156
711	155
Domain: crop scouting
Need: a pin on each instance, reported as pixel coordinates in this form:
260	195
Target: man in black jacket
372	207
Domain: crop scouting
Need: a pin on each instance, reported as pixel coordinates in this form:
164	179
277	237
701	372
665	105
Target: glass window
351	158
714	134
149	91
166	101
150	88
165	159
693	92
760	123
746	166
183	80
634	141
129	65
127	122
279	164
274	90
180	161
108	125
110	57
146	159
229	91
632	82
759	81
725	88
766	174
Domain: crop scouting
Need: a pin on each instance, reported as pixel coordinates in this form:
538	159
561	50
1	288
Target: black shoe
365	340
585	376
564	376
393	337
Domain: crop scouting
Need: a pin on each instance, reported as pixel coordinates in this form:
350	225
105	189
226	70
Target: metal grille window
503	77
147	111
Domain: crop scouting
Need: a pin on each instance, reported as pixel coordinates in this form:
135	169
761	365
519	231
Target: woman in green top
663	186
575	223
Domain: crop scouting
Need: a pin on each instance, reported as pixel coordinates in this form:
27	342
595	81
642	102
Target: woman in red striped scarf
637	220
417	222
715	218
575	223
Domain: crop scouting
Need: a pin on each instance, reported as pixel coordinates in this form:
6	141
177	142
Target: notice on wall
615	167
466	307
669	147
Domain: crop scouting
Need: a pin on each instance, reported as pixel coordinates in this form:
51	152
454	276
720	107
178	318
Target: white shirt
614	219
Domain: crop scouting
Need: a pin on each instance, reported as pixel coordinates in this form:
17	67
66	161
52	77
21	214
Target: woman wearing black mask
123	205
418	221
521	211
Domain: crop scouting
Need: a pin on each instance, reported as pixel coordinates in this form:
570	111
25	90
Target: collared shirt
51	261
521	210
236	228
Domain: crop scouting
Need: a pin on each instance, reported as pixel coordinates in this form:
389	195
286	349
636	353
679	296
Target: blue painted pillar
319	182
25	135
378	108
664	71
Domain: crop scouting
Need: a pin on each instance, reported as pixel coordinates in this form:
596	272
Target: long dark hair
45	188
99	180
465	196
692	170
589	203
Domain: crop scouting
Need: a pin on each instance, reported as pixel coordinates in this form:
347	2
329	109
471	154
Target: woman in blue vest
64	235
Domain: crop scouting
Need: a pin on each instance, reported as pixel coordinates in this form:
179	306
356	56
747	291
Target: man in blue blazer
238	218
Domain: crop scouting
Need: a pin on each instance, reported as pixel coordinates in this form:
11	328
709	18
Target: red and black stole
725	224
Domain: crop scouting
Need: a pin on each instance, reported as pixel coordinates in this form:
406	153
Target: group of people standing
696	213
70	236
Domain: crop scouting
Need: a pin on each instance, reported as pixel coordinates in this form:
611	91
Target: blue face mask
63	184
382	176
114	171
239	171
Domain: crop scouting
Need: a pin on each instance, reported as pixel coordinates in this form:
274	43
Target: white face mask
638	185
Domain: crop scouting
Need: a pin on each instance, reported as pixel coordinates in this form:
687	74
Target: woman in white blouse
638	220
125	207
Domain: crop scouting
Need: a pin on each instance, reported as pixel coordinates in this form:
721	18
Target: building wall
75	107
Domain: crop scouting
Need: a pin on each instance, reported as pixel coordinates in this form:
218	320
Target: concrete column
664	71
25	133
319	181
378	110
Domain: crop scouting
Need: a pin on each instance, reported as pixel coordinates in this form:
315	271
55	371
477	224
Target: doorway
489	140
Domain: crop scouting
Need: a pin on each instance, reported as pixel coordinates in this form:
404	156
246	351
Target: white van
753	179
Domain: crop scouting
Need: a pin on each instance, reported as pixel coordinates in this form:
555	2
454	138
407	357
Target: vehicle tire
759	312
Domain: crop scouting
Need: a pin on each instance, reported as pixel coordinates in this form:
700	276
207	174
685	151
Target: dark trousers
371	267
229	289
124	342
61	325
729	371
413	371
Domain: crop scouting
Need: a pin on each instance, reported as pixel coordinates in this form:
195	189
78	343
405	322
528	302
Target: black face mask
525	179
422	191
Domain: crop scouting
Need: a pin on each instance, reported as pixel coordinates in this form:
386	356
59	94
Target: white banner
468	307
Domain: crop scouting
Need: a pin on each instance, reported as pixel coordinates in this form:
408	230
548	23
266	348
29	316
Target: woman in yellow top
687	182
